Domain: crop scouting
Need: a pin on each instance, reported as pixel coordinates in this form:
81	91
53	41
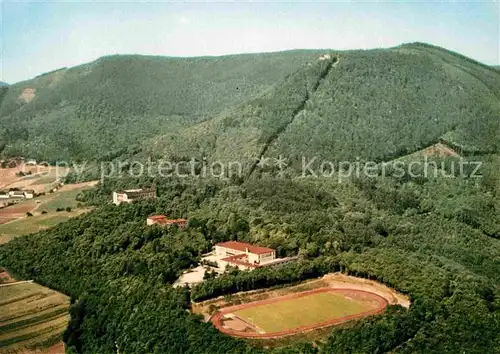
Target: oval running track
217	318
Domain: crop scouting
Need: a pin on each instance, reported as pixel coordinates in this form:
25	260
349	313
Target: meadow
301	311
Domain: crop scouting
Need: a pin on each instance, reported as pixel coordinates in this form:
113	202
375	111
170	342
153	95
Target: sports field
303	311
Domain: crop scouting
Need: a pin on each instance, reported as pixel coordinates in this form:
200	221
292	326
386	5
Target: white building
131	195
246	256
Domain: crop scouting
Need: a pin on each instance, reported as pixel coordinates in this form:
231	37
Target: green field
60	199
46	179
31	316
304	311
48	203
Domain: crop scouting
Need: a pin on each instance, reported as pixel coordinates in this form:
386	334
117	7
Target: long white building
246	256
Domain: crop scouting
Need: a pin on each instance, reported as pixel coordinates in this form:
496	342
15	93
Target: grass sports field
297	312
303	311
31	316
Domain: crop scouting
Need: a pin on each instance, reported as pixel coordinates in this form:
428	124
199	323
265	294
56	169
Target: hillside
375	105
101	109
399	100
432	235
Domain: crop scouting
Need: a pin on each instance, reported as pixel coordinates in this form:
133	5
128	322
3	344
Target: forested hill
372	104
433	236
97	109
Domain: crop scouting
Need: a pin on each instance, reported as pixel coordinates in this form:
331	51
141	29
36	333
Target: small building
162	220
16	194
131	195
30	162
29	193
4	195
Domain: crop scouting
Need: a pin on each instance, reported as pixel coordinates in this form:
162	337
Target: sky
40	36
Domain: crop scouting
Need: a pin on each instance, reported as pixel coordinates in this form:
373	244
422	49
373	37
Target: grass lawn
30	314
44	180
60	199
304	311
28	225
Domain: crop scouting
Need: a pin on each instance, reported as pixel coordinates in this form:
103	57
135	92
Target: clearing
31	224
297	312
305	310
40	178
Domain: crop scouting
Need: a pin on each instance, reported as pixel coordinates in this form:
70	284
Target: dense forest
373	104
99	109
431	234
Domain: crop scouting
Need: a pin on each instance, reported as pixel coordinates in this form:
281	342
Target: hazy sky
41	36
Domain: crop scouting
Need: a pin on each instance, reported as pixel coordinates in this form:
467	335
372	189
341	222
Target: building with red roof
162	220
244	255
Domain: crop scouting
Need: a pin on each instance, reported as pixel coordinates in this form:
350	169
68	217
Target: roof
30	191
137	190
157	217
243	246
176	221
162	219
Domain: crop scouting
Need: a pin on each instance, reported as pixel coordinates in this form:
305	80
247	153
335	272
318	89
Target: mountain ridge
203	106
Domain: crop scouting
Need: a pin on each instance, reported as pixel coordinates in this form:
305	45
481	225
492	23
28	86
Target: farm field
31	316
14	222
302	311
28	225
